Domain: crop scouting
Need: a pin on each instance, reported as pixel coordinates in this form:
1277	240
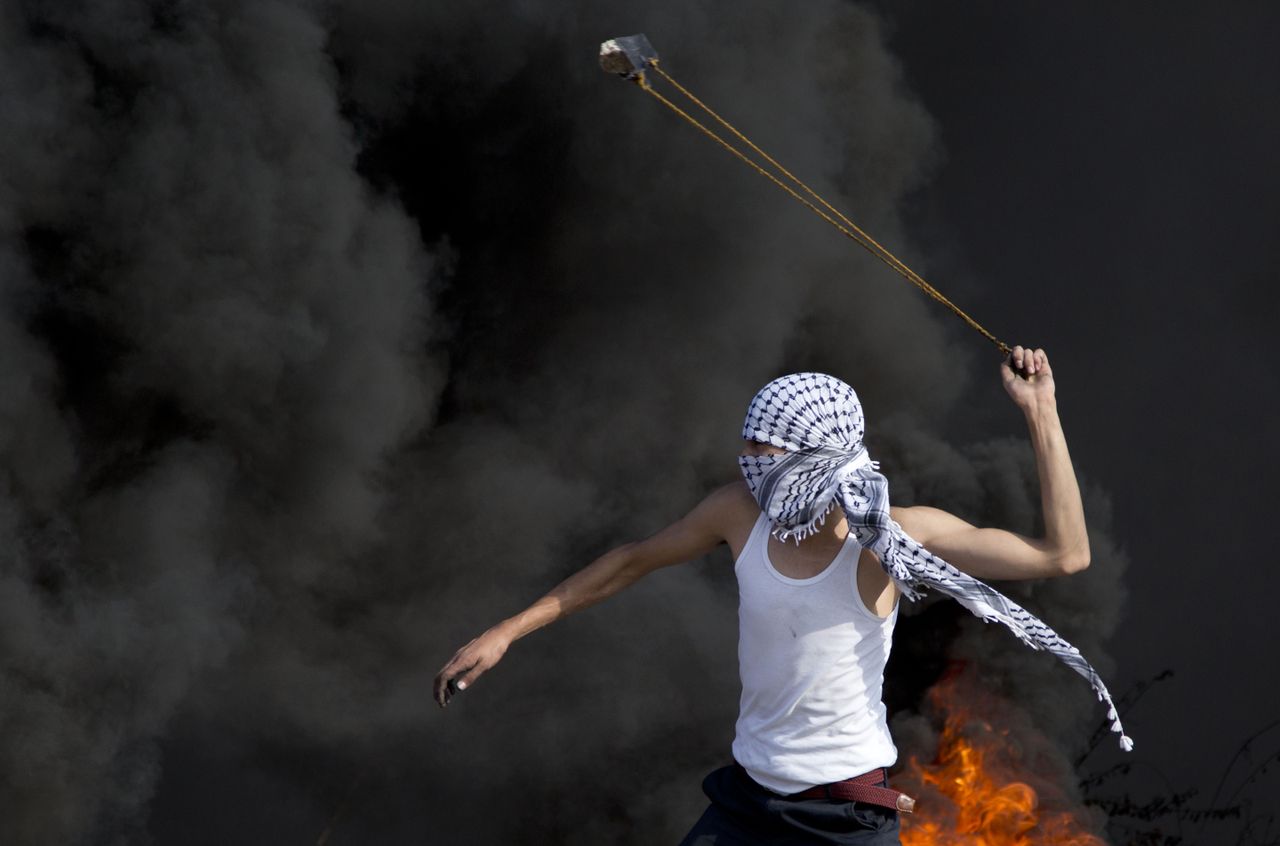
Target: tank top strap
759	536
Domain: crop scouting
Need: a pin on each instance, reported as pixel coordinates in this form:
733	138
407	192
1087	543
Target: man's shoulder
730	506
735	494
912	518
733	499
736	499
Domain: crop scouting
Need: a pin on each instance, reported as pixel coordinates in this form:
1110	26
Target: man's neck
833	530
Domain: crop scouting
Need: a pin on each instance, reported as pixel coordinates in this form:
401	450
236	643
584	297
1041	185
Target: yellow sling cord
834	217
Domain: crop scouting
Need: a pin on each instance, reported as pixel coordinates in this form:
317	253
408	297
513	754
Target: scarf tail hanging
984	602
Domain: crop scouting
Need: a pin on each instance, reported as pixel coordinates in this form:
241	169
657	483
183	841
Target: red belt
862	788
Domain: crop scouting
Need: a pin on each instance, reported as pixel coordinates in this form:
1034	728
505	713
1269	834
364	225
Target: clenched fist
1027	376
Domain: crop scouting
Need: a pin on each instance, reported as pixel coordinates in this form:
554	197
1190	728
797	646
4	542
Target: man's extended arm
692	536
999	554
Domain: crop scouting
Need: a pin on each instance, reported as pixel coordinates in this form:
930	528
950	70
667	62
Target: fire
976	793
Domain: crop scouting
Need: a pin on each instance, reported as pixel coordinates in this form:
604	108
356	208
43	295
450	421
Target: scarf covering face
818	420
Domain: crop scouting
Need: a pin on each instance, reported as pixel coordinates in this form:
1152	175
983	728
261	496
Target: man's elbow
1074	563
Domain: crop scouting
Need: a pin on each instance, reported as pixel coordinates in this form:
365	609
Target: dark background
332	333
1109	184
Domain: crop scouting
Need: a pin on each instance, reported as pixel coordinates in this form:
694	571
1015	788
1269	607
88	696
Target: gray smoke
333	333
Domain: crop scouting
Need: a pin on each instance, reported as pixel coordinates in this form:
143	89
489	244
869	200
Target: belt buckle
905	803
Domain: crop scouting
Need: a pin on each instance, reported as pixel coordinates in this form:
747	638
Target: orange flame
975	795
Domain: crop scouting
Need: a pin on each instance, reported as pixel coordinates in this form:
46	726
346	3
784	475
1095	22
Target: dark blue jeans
744	813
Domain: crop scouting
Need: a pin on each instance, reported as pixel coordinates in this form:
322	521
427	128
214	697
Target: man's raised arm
999	554
692	536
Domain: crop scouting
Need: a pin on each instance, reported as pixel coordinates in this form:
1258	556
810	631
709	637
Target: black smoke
333	333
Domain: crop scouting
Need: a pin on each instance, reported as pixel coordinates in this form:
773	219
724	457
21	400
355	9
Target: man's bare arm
692	536
999	554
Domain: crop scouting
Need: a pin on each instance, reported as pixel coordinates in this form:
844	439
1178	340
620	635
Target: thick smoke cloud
213	334
332	334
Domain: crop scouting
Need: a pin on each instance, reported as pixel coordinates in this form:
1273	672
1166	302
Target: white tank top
811	656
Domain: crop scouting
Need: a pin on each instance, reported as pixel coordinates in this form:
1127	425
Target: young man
816	615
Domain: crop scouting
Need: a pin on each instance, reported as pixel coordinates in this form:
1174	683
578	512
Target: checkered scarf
818	420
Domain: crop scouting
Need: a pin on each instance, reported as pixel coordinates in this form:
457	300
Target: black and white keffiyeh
818	420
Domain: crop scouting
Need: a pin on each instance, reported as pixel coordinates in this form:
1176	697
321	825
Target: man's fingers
469	676
440	689
1025	362
444	681
453	679
466	665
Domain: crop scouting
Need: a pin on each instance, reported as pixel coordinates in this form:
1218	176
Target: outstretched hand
468	663
1027	376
